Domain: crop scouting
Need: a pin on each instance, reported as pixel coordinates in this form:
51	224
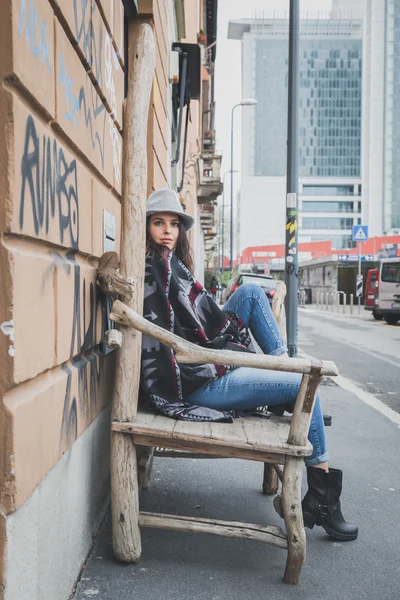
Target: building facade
380	120
63	70
329	125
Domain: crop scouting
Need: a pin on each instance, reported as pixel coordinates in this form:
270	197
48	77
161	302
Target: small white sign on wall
109	231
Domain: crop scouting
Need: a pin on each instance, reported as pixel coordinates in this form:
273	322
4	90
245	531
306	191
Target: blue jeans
247	388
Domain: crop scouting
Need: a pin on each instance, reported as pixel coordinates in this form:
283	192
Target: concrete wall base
50	535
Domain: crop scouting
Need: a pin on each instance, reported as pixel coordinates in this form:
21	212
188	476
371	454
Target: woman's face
164	229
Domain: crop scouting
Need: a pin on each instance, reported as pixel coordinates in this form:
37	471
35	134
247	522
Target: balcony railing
208	177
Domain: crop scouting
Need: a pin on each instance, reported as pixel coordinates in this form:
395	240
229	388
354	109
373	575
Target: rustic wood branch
270	534
113	338
186	352
124	479
279	472
270	480
110	280
278	308
127	544
145	457
168	453
304	405
293	515
210	448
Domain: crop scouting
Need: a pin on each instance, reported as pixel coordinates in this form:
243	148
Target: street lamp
244	102
223	217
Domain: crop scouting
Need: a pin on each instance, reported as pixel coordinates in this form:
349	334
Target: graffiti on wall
83	26
35	31
91	311
86	110
117	14
102	47
49	197
49	188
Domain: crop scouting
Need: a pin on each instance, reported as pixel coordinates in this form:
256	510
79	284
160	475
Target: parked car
387	300
371	290
266	282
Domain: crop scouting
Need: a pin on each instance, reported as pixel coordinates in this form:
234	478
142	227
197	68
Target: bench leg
271	480
293	516
125	498
145	456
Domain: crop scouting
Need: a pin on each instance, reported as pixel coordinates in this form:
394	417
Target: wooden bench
271	441
260	439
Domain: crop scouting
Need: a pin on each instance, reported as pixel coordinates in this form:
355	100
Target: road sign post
359	277
360	235
359	290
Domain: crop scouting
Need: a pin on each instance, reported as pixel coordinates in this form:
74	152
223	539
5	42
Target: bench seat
252	438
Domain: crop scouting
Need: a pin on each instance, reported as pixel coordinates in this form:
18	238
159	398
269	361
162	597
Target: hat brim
187	220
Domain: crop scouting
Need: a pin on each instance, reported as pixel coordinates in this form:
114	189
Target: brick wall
62	73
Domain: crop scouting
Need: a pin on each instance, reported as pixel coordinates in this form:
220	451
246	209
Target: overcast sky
228	72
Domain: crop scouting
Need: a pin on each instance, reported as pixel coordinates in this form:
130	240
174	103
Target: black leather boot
321	504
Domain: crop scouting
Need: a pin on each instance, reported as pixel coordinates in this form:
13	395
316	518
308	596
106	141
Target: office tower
330	191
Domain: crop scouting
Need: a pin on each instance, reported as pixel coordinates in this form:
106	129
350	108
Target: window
328	207
327	223
328	190
338	241
391	272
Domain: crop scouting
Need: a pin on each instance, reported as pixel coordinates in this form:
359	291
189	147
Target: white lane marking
369	352
366	397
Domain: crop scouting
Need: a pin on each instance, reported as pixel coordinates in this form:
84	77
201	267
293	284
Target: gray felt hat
168	201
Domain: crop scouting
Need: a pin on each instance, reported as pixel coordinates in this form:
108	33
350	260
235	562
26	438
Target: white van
387	301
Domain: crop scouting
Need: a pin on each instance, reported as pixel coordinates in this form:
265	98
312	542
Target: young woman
176	301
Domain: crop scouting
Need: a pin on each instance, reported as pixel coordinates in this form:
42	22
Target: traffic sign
389	252
354	257
360	233
359	286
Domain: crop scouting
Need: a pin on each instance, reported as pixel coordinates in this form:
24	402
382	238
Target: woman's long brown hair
182	250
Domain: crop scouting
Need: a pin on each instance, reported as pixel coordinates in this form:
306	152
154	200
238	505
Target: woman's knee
251	289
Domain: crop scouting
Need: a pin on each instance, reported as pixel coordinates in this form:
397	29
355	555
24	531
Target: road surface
366	351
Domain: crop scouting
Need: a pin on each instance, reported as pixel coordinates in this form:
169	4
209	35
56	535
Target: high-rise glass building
330	107
330	123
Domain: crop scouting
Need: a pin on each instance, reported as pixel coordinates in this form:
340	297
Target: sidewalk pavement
332	311
185	566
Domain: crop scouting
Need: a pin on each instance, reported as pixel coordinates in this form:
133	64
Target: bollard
351	303
338	301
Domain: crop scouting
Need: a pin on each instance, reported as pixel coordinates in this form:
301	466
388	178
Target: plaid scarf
176	301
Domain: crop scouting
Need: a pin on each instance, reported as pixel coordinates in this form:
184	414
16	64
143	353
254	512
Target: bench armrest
187	352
